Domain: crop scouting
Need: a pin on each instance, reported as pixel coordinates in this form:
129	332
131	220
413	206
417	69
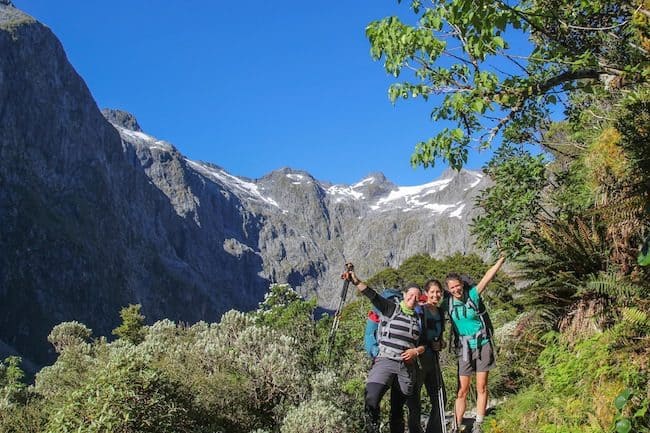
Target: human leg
484	364
481	399
397	399
436	416
435	387
381	376
374	393
407	378
482	392
415	405
461	397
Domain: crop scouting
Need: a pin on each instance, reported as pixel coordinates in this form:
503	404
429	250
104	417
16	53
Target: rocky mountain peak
287	173
122	118
374	185
12	18
100	214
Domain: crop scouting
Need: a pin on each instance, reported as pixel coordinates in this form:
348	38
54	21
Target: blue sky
250	86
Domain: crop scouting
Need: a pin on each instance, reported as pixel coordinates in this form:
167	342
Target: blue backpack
370	343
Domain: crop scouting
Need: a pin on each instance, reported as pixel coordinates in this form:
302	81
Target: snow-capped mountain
305	229
98	214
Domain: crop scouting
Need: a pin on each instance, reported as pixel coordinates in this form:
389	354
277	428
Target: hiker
432	320
371	345
472	337
398	351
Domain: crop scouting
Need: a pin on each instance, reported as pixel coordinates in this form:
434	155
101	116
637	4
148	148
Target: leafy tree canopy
464	52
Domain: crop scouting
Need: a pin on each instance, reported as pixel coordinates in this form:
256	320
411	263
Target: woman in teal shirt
467	317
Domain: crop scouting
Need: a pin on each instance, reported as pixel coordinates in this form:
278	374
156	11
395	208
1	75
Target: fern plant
612	287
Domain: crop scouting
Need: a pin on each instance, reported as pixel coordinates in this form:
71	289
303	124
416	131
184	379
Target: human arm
489	275
386	307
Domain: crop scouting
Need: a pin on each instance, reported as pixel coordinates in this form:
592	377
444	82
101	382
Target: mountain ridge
96	216
327	211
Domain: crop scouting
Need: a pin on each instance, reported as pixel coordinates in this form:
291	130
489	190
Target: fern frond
611	286
635	316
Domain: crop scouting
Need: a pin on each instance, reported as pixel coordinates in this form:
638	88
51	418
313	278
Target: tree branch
564	78
495	130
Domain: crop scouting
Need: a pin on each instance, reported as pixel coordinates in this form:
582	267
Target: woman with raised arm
398	352
473	340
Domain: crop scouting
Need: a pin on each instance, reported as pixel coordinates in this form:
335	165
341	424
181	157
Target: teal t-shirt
465	318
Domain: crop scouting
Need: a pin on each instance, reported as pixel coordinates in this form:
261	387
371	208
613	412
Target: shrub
126	395
315	416
132	327
69	334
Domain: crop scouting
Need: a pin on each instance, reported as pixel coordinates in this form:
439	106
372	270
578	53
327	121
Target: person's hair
411	286
453	276
432	282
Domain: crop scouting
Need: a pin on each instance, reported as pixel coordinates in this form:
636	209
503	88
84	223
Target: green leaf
624	426
499	42
620	402
622	398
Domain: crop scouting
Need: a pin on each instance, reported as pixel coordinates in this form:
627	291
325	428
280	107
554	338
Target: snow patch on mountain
364	182
141	137
458	213
411	197
343	192
227	179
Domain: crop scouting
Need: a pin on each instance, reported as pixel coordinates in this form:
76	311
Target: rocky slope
303	229
95	214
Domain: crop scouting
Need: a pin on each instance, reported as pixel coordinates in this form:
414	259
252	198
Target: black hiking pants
384	374
374	393
431	377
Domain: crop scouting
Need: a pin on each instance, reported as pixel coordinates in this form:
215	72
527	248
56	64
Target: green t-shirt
465	318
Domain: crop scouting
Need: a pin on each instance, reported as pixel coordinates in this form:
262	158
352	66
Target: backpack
370	342
487	328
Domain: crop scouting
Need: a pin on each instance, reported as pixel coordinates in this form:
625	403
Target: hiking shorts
385	370
476	363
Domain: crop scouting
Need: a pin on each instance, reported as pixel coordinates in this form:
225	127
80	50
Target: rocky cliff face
84	230
95	214
304	230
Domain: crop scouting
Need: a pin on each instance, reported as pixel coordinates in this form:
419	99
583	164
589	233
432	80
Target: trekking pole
441	396
337	315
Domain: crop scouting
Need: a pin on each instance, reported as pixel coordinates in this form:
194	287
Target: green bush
132	326
69	334
125	395
315	416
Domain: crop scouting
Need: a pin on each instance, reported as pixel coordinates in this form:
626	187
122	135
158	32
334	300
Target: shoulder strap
454	335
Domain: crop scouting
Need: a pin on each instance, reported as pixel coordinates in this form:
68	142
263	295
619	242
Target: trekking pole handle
348	271
349	275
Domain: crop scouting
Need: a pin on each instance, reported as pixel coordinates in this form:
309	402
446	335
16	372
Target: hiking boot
476	428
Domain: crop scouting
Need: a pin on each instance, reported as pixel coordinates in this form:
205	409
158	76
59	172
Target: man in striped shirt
398	336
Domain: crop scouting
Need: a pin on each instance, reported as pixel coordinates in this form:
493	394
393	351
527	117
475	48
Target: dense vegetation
266	370
269	370
570	204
